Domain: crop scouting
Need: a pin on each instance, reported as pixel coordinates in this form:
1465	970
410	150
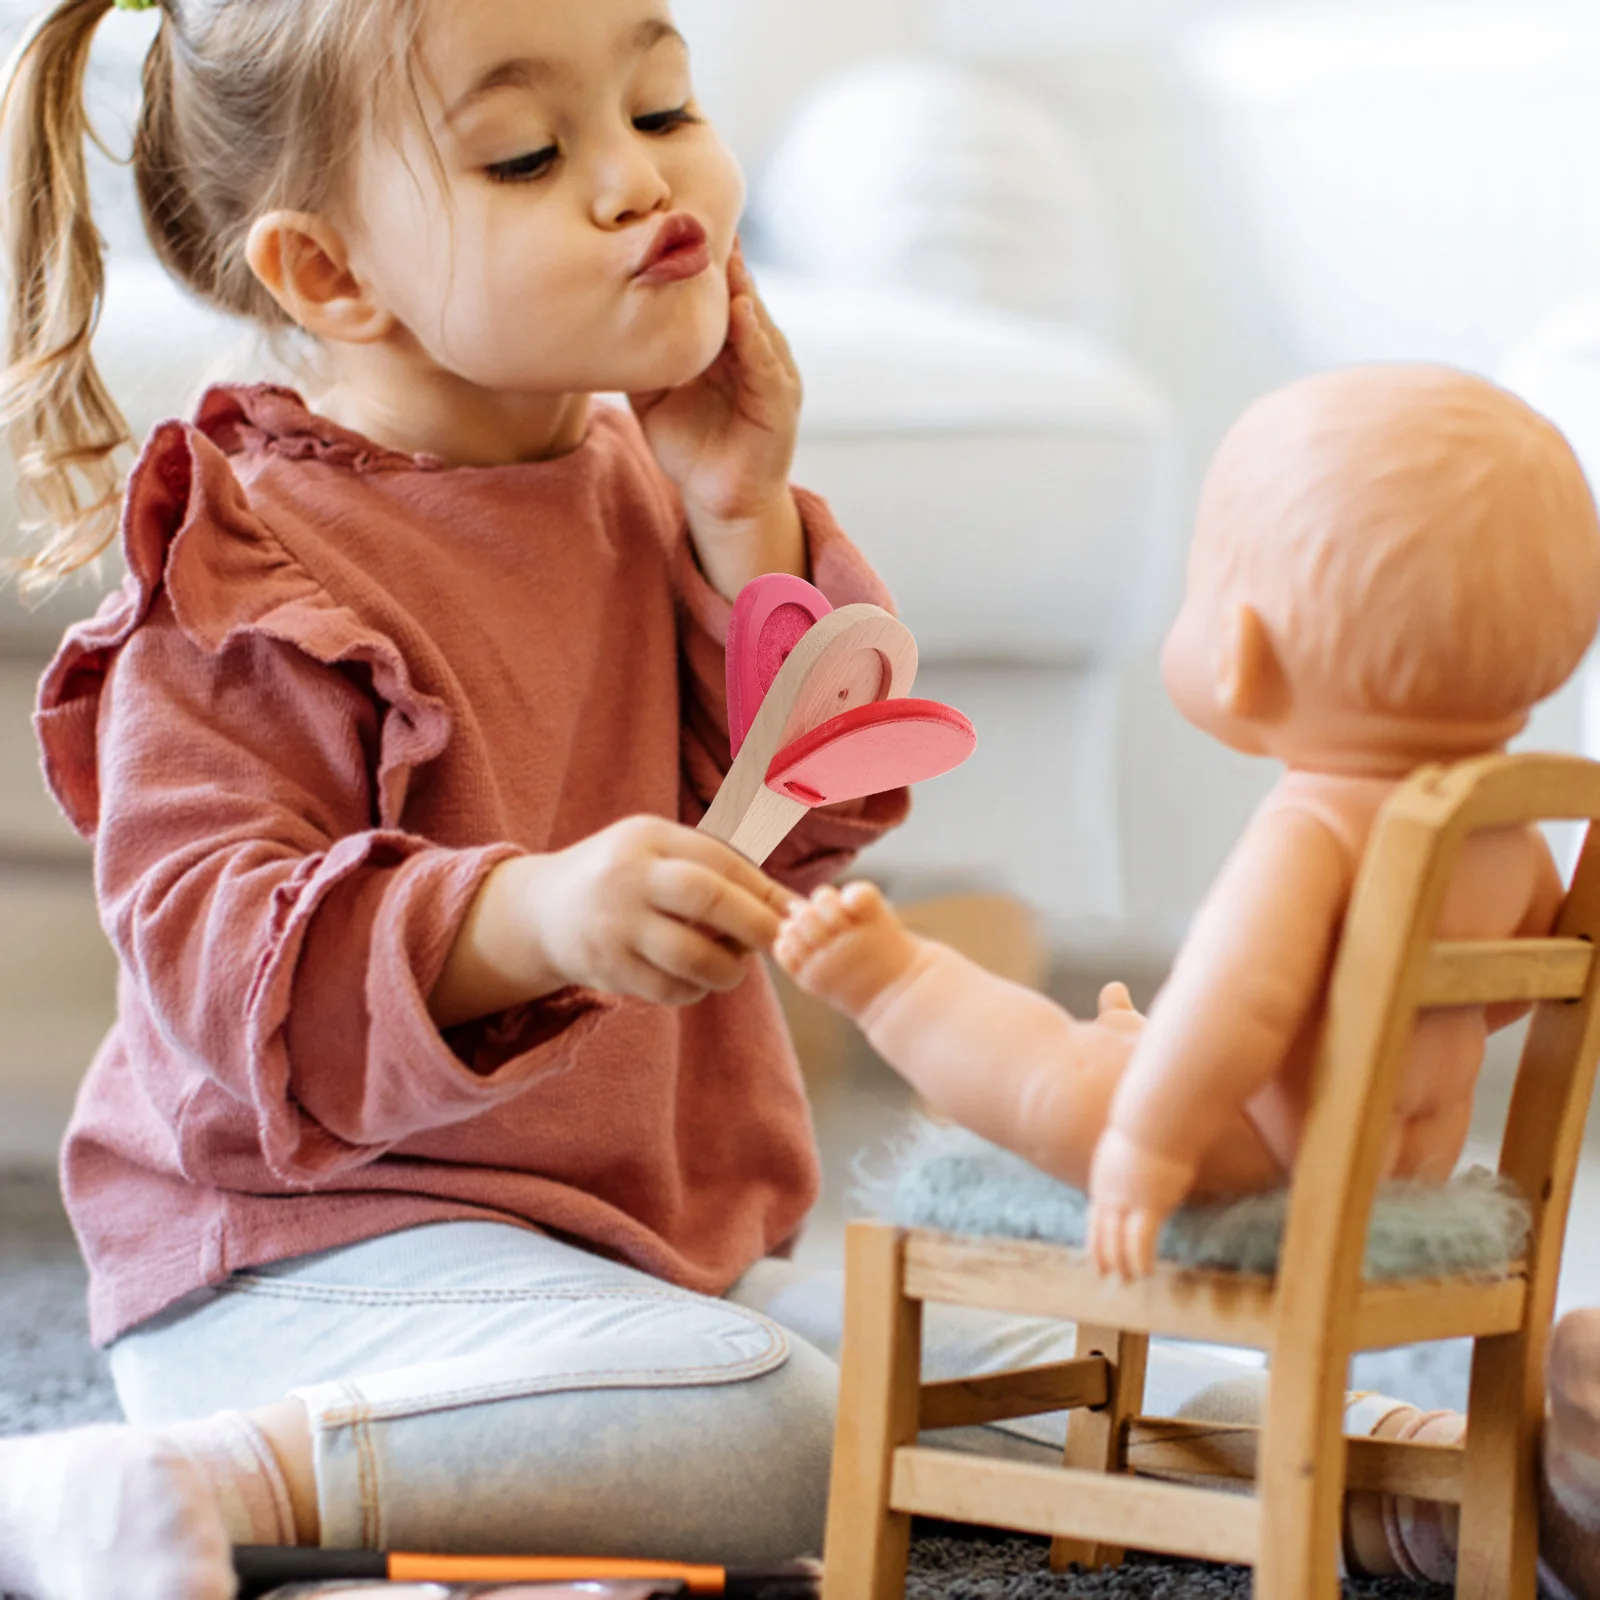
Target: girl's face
570	228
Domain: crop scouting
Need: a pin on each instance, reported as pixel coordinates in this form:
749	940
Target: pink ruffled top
338	685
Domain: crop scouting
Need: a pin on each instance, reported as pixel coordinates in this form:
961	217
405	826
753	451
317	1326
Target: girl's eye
665	121
522	169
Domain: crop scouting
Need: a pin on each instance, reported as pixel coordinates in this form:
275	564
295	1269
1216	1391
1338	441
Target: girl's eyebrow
530	72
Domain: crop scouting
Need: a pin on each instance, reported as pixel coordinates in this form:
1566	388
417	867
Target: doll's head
474	183
1389	562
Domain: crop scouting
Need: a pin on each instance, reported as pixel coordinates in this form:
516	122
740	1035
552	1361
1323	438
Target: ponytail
62	424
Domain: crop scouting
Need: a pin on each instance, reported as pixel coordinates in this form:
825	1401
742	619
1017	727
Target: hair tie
134	5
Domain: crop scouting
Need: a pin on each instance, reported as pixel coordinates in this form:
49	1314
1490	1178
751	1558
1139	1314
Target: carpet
50	1377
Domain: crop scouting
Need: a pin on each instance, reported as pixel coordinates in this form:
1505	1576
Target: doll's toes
864	902
1115	997
828	907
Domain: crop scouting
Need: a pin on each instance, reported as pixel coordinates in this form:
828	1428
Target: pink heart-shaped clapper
770	616
871	748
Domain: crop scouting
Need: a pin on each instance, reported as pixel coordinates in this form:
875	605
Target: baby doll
1392	566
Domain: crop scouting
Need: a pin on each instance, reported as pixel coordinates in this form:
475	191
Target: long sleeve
281	939
827	840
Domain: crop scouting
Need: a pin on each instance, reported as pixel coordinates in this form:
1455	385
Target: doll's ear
1251	684
302	261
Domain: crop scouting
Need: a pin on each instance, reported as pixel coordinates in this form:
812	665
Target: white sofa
1009	475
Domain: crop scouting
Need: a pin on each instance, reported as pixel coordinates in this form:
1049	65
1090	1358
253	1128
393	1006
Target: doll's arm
1544	905
1247	980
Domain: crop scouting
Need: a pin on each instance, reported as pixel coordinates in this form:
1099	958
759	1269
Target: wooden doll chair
1310	1317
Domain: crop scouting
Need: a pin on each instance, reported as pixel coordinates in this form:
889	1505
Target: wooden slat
1161	1447
1025	1392
1095	1439
1089	1505
1049	1281
1477	973
1390	1314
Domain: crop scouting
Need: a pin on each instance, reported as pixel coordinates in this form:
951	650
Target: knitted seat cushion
948	1179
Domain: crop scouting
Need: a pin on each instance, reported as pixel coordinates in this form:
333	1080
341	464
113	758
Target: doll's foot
1569	1491
109	1514
846	947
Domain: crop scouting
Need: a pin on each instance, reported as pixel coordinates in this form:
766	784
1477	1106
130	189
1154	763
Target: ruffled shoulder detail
267	419
189	531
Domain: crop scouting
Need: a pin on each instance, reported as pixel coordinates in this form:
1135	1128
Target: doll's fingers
1141	1255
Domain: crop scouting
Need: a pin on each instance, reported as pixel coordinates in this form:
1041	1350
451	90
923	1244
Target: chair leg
1300	1482
1499	1548
1097	1439
879	1394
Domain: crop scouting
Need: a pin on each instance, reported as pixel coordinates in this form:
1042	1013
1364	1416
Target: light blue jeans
474	1386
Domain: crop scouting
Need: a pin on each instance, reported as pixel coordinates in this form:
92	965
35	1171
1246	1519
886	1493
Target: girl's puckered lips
679	250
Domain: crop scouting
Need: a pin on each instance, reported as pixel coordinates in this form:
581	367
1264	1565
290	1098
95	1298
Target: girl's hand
727	442
645	908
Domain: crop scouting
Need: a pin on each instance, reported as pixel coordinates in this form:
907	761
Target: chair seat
1221	1307
948	1179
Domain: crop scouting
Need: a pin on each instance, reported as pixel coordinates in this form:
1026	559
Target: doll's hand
1132	1192
727	439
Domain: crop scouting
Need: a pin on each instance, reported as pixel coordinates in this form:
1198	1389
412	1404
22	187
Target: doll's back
1505	885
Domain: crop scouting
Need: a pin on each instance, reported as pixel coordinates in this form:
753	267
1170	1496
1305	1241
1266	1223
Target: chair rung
1046	1280
1024	1392
1487	971
1109	1509
1389	1314
1163	1447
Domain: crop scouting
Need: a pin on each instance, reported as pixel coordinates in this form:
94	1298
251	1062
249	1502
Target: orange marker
264	1567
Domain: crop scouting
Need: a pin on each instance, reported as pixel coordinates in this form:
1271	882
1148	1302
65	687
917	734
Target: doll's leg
1569	1532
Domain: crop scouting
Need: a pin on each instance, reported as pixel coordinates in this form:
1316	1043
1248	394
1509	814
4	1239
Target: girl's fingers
688	956
699	895
645	981
774	333
688	845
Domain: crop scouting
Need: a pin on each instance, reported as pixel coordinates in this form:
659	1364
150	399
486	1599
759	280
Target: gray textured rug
50	1377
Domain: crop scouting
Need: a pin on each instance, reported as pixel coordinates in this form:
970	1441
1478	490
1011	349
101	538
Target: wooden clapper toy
818	713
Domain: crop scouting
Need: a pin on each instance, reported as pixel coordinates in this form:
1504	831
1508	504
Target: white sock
117	1513
233	1455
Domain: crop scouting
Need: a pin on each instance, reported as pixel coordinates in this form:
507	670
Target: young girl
435	1178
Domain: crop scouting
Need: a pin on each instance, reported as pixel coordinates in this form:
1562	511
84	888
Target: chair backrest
1389	967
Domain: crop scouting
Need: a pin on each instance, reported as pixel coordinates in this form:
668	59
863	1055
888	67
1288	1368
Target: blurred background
1034	257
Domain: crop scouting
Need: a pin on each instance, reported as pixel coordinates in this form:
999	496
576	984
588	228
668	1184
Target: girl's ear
1251	684
304	264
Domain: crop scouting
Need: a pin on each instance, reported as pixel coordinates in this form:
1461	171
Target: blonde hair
248	106
1417	540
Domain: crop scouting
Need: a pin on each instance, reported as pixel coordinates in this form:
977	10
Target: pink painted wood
770	617
871	748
